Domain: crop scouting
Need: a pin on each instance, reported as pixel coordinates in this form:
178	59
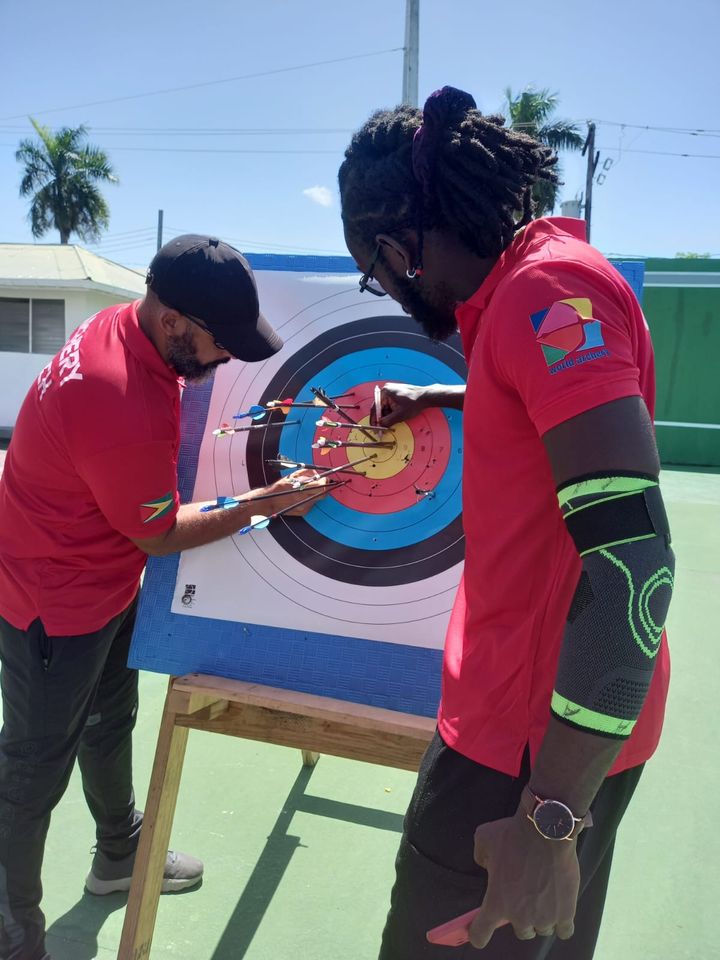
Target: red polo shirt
92	463
553	331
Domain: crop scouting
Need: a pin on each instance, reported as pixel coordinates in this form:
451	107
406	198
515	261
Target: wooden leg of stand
309	758
154	839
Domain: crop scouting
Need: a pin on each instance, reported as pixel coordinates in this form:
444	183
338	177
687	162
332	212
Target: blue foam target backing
386	675
634	273
393	676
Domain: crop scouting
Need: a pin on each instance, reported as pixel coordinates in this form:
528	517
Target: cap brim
252	344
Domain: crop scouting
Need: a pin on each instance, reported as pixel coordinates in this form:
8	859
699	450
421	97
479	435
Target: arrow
222	503
342	469
324	444
226	430
296	465
377	402
256	412
346	426
226	503
260	522
329	402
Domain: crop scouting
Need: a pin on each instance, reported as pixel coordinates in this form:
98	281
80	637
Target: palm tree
531	112
60	175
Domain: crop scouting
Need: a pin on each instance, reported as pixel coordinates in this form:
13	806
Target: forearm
571	765
445	395
195	529
294	494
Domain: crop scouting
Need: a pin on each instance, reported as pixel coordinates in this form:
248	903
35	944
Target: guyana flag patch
157	508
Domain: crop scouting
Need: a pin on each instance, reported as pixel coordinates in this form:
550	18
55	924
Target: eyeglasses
199	323
368	281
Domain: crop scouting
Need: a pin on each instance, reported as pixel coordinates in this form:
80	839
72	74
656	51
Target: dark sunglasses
199	323
368	281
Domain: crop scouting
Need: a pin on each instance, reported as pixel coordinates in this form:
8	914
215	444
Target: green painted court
299	862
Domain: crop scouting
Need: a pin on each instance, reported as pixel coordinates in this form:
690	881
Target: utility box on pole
571	208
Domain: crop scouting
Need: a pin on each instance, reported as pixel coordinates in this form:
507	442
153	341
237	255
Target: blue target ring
371	547
380	531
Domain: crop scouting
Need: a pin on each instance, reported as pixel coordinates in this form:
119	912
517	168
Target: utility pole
412	53
592	162
160	229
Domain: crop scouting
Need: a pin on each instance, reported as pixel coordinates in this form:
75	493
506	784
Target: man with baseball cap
89	490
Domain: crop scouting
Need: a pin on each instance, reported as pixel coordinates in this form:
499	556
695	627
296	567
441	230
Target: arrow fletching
255	412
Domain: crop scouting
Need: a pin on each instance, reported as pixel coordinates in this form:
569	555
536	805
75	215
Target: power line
665	153
290	151
194	131
201	131
113	244
247	244
207	83
128	233
325	131
222	150
690	131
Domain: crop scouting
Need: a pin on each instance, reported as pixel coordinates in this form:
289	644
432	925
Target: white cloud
319	195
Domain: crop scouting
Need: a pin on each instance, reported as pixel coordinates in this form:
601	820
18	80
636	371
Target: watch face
554	820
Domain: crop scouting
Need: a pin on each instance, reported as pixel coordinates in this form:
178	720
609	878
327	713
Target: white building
46	291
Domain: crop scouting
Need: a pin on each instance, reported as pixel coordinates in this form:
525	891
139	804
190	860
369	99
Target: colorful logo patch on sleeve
157	508
568	326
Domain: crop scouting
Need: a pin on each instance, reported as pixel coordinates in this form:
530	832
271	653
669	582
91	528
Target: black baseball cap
211	281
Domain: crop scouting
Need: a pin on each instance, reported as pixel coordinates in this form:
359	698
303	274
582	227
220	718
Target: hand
532	882
310	485
400	401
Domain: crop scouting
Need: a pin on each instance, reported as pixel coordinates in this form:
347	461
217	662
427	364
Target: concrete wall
19	370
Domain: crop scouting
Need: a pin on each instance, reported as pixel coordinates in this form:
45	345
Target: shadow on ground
74	935
276	856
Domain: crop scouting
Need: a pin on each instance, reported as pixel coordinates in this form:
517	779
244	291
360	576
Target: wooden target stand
311	723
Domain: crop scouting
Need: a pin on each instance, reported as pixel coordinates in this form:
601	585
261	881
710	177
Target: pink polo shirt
92	464
553	331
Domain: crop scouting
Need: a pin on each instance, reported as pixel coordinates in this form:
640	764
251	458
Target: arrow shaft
329	402
279	513
349	426
285	406
254	426
264	496
337	444
343	469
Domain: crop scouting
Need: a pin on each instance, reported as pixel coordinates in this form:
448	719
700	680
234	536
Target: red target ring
390	483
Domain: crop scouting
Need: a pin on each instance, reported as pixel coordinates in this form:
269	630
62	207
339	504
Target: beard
436	314
182	357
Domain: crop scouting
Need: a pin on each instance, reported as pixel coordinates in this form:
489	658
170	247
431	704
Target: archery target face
380	557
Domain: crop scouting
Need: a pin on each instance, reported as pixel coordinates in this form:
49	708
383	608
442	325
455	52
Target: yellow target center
388	461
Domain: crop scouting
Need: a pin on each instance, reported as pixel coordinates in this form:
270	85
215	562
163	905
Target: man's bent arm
193	528
611	440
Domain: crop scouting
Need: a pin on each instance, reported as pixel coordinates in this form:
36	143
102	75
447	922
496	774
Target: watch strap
529	801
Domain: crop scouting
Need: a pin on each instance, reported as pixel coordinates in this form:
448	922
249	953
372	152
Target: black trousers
63	697
437	878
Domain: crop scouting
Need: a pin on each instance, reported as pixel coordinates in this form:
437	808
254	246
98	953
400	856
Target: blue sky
631	63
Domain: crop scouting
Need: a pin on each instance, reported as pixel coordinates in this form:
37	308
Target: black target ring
427	557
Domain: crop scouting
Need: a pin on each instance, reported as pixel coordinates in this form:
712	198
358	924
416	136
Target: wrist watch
553	819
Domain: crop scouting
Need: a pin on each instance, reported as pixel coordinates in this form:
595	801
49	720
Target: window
31	326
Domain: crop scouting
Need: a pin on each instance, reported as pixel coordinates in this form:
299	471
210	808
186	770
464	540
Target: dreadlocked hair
480	186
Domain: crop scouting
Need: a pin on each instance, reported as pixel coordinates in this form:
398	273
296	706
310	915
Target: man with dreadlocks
556	665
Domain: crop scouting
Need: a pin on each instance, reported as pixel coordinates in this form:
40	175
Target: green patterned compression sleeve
616	619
